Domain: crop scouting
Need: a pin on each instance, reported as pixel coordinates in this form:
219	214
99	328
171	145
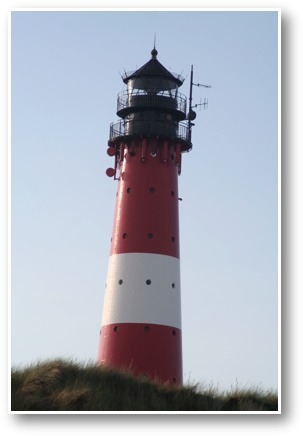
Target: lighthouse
141	327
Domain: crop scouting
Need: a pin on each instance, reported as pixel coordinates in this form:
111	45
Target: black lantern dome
153	75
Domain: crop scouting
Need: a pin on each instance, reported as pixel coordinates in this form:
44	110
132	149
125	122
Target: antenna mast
192	114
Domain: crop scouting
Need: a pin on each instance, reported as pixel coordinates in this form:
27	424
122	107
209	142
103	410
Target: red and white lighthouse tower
141	322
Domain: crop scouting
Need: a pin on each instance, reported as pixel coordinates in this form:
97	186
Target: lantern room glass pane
153	85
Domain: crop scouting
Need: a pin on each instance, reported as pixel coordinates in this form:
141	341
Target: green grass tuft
63	385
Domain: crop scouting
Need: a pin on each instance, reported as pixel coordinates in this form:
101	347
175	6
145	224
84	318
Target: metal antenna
192	114
155	35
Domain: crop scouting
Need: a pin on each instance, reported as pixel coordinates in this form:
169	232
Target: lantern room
151	106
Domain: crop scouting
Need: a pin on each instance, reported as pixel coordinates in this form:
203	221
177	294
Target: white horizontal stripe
135	299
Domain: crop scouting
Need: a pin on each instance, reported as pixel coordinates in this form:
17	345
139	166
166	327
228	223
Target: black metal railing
122	128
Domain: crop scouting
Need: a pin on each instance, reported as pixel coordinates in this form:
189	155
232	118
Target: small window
148	282
128	190
173	285
124	236
146	328
120	282
152	189
116	329
174	332
150	235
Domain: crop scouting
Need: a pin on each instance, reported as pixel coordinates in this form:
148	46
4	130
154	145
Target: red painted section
146	217
144	349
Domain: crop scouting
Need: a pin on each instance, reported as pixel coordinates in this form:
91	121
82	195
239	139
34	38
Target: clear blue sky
65	78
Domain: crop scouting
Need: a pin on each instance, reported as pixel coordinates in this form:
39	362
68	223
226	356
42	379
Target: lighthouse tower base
140	332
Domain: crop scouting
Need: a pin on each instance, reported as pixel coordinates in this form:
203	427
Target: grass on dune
62	385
